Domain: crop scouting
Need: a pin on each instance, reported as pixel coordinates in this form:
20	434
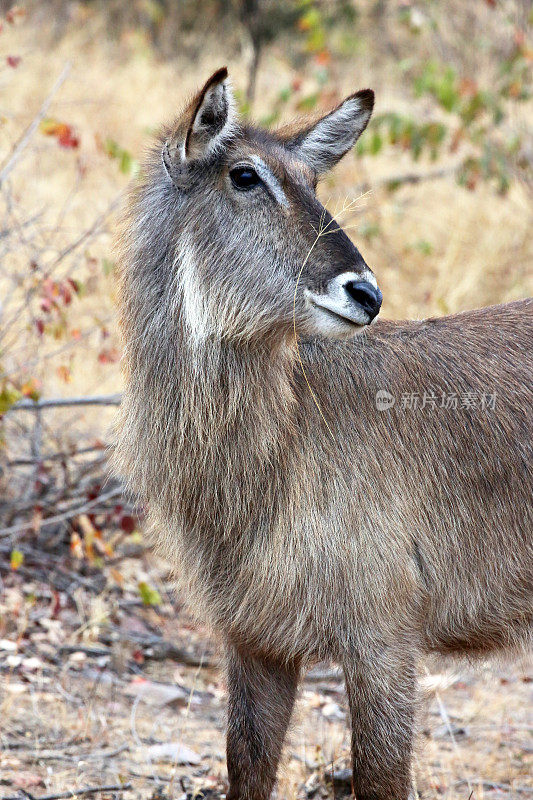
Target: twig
94	652
65	402
51	755
148	777
124	787
36	450
73	512
416	177
64	499
7	231
124	748
59	456
503	787
83	237
160	648
47	272
32	127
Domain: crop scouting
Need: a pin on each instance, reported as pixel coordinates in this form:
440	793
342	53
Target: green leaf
308	103
17	559
376	143
111	148
126	163
8	398
424	247
108	266
149	596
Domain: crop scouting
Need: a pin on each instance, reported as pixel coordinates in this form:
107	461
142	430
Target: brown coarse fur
306	522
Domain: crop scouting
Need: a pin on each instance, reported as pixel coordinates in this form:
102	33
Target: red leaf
68	139
127	523
323	57
63	372
56	604
39	324
74	284
67	295
27	780
63	133
13	61
109	355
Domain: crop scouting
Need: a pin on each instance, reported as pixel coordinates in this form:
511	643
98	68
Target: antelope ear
322	144
211	117
206	122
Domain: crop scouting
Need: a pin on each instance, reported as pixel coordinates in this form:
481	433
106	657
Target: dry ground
92	696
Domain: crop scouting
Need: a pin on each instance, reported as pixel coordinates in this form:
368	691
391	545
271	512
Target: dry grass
435	248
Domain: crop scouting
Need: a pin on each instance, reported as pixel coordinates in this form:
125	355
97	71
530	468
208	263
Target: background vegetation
443	184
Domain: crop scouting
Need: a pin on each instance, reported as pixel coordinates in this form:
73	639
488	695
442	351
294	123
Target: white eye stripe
270	180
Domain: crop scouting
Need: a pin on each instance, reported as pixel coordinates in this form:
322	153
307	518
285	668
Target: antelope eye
244	177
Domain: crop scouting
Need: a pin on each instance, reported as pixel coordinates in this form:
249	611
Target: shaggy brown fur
366	536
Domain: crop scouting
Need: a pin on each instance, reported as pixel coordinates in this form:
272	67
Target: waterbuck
311	511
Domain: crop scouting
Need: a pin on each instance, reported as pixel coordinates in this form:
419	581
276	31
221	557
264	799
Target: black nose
366	296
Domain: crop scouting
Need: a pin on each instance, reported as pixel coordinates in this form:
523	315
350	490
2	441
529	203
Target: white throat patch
194	303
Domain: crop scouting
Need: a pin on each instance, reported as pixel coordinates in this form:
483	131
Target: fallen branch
158	649
92	652
60	755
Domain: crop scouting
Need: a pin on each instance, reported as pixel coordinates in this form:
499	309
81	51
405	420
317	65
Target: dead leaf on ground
25	780
172	752
159	694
